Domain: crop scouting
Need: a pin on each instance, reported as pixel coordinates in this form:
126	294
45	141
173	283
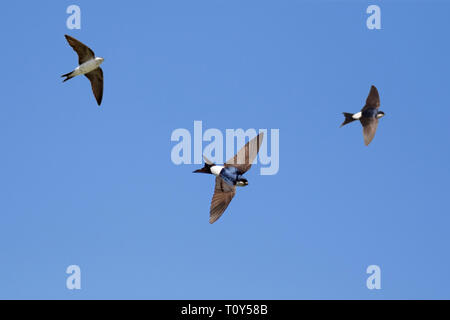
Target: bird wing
373	99
369	128
244	158
96	78
207	161
223	194
84	52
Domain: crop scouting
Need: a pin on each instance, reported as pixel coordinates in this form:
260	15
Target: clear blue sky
96	187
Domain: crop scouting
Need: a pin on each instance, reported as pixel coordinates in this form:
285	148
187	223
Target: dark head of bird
242	182
205	169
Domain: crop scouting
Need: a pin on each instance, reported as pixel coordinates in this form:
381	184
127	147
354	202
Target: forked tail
348	118
207	167
68	76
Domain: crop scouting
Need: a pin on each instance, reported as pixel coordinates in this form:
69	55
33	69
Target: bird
229	176
89	65
368	116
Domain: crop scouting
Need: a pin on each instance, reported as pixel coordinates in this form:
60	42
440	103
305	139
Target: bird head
242	182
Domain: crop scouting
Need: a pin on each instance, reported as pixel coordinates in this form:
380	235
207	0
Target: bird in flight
368	116
89	65
229	176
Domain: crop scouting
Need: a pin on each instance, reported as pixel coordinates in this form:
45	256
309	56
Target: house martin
230	175
368	116
89	65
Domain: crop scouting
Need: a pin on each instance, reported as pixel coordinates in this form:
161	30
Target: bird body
232	176
87	67
229	174
369	113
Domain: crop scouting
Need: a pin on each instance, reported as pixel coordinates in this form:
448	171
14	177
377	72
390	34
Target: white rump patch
357	116
215	170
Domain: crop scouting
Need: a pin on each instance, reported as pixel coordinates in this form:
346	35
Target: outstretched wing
373	99
369	128
96	78
84	52
223	194
244	158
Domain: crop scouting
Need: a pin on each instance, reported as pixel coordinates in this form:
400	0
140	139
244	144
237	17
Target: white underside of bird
87	67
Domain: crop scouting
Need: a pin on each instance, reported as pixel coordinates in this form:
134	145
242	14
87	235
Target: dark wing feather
369	128
244	158
96	78
223	194
373	99
84	52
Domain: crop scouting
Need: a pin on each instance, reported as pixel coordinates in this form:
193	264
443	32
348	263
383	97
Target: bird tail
68	76
206	168
348	118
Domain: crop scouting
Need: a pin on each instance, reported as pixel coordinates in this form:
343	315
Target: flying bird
89	65
368	116
229	176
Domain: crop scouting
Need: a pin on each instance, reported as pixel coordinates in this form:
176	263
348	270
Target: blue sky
96	186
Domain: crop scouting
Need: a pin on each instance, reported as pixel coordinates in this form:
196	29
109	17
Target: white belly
215	170
87	67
